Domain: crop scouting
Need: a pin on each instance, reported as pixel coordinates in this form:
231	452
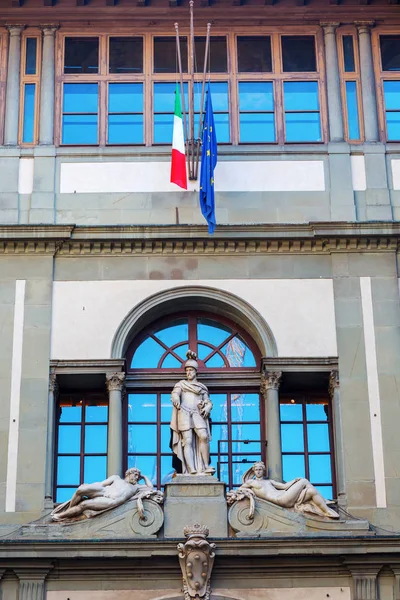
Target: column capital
365	581
334	382
270	380
329	26
364	26
49	28
115	381
15	30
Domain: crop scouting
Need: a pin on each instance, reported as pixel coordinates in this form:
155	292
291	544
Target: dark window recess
298	53
81	55
165	56
30	58
217	55
390	52
126	55
348	54
254	54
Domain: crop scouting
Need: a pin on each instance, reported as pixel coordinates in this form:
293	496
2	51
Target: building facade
108	276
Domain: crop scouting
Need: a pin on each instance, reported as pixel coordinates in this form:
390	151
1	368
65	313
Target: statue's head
191	365
132	475
259	469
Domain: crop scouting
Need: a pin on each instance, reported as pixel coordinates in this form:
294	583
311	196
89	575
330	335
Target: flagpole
206	51
178	48
191	99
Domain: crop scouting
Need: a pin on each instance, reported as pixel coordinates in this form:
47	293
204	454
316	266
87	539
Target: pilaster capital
270	380
334	382
365	580
53	383
49	29
329	27
115	382
15	30
364	26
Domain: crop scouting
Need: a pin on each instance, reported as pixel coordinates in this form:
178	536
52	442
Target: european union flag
208	163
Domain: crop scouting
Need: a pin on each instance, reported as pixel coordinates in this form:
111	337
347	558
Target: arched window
229	364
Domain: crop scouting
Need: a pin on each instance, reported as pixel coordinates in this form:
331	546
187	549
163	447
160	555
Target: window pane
147	466
163	129
392	94
212	332
64	494
393	125
80	98
96	439
125	98
317	412
170	362
167	469
81	55
165	439
79	129
320	468
298	53
178	331
71	414
166	407
30	58
220	407
126	55
256	96
95	468
215	361
238	353
239	468
68	470
301	95
390	52
245	432
219	96
217	62
326	491
245	407
142	438
148	355
165	57
164	97
96	414
348	54
125	129
352	110
292	438
293	466
29	113
291	412
142	407
318	438
181	351
254	54
219	433
69	439
303	127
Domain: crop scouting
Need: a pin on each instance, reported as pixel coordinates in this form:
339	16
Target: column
334	392
333	83
32	582
270	389
115	387
368	81
46	123
12	92
52	398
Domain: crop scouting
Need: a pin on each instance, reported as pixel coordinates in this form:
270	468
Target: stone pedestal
191	499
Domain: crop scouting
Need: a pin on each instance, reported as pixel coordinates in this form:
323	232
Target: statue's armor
189	416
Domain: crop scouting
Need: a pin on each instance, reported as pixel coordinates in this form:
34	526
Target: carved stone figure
298	494
196	558
93	499
190	422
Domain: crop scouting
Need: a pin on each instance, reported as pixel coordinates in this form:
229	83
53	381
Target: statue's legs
187	443
96	504
290	496
204	449
92	490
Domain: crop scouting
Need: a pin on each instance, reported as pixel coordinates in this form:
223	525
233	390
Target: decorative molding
300	364
86	366
365	582
115	382
31	582
196	559
49	28
334	382
329	27
15	30
364	26
53	383
270	380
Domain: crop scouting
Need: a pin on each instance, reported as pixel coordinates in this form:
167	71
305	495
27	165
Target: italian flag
178	162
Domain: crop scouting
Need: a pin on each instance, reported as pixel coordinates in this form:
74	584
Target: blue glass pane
166	407
181	351
29	113
293	466
68	470
125	129
147	466
326	491
224	467
71	414
316	412
301	95
238	353
80	97
212	332
348	54
352	110
219	433
173	334
142	407
163	128
245	432
318	438
95	468
219	97
30	62
392	94
96	439
215	361
125	97
393	125
170	362
165	439
96	414
255	96
142	438
220	407
303	127
239	468
245	407
147	355
320	468
164	97
292	438
79	129
222	128
167	469
69	439
64	494
257	128
291	412
203	351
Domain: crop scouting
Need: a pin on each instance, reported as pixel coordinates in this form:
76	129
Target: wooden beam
16	3
111	2
334	2
269	2
80	2
300	2
205	3
48	2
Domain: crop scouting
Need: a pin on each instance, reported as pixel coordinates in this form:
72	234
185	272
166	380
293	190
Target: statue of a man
91	499
190	422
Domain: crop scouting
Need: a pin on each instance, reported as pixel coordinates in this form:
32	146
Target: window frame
354	76
232	77
30	79
3	78
382	76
